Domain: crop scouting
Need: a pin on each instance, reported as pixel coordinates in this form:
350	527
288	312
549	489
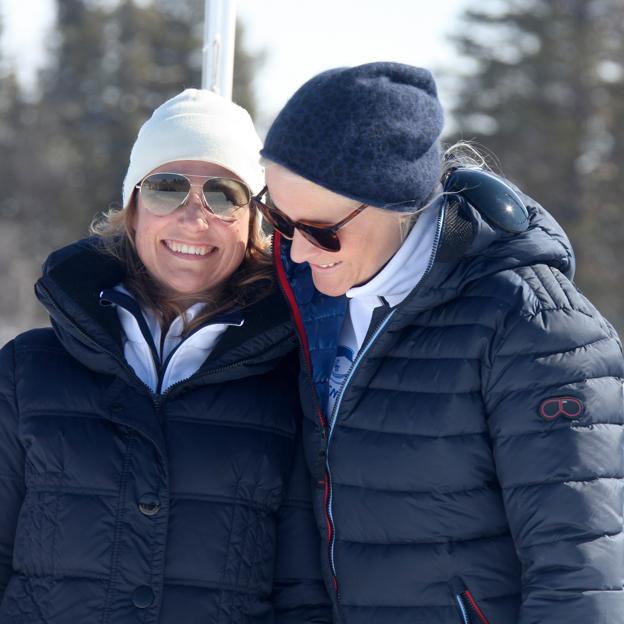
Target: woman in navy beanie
464	402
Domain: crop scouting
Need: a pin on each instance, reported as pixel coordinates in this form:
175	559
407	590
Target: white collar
406	268
180	358
174	332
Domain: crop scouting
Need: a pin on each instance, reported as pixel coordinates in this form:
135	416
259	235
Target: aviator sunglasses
163	193
323	236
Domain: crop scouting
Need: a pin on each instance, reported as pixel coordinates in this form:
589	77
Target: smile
324	267
189	250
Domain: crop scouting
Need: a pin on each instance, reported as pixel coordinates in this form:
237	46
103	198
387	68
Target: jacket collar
73	278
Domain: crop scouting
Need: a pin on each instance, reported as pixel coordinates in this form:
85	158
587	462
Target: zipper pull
468	607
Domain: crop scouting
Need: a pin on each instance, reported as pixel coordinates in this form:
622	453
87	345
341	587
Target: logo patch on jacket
568	407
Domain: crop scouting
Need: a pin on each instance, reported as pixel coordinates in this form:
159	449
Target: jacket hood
471	248
70	287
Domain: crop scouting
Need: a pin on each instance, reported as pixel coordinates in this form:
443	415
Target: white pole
218	50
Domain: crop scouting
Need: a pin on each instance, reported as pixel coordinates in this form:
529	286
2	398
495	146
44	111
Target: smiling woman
150	445
190	250
188	232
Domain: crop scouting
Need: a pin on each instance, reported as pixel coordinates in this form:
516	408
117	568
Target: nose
193	211
301	249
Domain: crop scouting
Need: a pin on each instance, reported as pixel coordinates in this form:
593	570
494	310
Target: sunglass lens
324	238
162	193
278	220
225	196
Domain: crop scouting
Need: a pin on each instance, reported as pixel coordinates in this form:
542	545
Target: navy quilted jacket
119	506
472	469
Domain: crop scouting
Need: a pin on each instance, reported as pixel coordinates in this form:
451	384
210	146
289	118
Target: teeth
188	249
327	266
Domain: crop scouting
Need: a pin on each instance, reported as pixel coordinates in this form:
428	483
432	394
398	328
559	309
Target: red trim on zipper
475	606
330	529
281	275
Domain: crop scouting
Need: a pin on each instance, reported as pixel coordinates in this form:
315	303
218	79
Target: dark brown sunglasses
323	236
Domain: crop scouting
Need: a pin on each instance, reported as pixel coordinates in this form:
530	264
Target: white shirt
179	357
393	283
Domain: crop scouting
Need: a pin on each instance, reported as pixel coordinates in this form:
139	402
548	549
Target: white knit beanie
197	125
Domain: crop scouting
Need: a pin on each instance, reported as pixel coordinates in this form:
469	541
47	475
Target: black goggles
163	193
323	236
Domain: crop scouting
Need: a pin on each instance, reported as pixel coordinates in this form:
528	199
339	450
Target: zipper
362	353
165	364
160	365
470	611
171	390
332	421
462	609
468	607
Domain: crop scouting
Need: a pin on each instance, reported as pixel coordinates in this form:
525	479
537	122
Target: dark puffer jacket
120	506
472	470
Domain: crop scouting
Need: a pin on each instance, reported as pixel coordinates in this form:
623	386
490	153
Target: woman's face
190	250
366	243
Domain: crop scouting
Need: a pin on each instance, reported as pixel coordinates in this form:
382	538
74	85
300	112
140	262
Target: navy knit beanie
368	132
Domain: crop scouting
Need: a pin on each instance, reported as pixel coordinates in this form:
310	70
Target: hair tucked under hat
196	124
368	132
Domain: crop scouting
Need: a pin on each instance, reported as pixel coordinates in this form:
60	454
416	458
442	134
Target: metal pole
218	50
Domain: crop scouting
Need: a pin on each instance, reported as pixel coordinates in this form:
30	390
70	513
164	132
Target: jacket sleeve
299	594
11	465
555	407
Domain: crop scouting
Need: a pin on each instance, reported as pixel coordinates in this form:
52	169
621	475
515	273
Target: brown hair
251	282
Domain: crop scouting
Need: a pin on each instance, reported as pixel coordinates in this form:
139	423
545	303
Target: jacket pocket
467	605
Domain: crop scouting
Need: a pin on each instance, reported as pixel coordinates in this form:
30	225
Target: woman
148	471
464	420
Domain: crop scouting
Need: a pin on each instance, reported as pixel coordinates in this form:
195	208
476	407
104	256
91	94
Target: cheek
146	229
235	240
242	231
138	234
374	240
372	246
142	230
138	221
387	237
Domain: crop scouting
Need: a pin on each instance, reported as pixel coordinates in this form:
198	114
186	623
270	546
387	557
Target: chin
330	290
185	289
